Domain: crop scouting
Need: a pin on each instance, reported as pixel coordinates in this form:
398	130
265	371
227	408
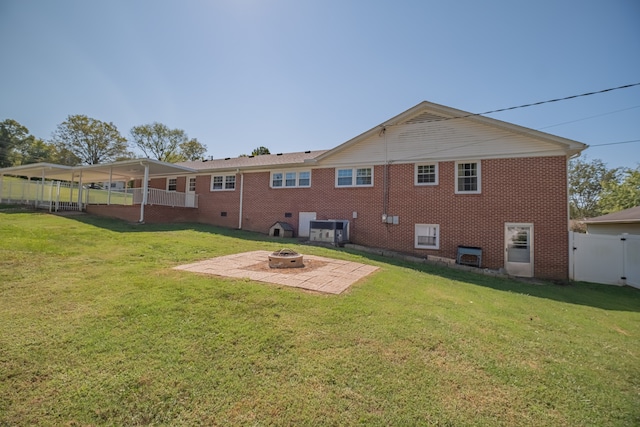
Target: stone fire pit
285	258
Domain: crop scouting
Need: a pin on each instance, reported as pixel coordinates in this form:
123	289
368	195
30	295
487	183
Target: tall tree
13	139
192	149
159	142
586	180
624	194
92	141
35	151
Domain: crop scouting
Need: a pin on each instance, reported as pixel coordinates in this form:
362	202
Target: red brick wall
213	204
152	214
527	190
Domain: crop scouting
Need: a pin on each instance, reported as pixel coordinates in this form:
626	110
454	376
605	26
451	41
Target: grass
97	329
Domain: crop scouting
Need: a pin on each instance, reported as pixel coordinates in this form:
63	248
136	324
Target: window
192	184
230	182
468	177
290	179
427	236
172	184
304	179
345	177
217	183
223	182
427	174
363	177
276	179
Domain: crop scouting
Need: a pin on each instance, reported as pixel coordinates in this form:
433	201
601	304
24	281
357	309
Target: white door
190	192
304	218
518	241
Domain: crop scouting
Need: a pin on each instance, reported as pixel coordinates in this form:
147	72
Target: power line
614	143
531	104
559	99
590	117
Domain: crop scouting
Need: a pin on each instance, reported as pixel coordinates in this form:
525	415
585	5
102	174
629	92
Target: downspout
572	261
241	197
145	190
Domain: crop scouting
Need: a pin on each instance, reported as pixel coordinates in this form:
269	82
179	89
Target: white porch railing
60	195
166	198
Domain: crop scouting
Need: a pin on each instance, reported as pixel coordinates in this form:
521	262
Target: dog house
281	229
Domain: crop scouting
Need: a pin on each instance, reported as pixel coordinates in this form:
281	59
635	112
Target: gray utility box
334	231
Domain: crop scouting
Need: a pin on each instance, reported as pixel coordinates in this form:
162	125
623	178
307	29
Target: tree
13	138
260	151
159	142
63	156
35	151
192	150
586	180
624	194
92	141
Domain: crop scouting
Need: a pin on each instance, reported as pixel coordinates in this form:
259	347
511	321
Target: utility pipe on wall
241	197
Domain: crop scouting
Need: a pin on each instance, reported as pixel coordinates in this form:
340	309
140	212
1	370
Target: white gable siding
442	140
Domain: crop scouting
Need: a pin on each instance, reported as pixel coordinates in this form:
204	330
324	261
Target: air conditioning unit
333	231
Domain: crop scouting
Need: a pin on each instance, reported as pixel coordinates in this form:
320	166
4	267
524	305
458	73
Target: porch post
80	191
109	188
73	175
145	190
42	188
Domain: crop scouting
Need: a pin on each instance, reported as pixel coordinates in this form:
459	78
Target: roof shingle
253	162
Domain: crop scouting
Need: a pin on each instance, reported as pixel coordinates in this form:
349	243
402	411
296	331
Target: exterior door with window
518	249
190	192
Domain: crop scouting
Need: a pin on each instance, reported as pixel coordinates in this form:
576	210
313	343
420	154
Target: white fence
60	195
52	195
611	260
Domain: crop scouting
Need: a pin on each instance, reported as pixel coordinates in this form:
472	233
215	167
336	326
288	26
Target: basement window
427	236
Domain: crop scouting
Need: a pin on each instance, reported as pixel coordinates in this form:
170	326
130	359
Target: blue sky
295	75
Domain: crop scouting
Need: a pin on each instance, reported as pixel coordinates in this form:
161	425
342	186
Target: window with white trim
468	177
427	236
426	174
290	179
363	177
172	184
223	182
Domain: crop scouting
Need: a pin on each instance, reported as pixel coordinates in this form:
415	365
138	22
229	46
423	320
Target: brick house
424	182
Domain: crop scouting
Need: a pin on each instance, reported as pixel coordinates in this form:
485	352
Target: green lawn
97	329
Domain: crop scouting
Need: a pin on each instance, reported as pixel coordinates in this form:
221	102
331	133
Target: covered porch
57	187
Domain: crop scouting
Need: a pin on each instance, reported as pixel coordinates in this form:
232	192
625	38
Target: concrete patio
320	274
